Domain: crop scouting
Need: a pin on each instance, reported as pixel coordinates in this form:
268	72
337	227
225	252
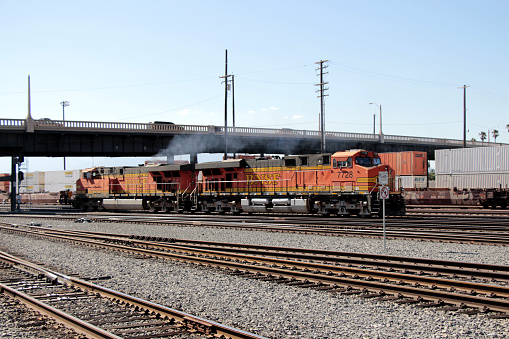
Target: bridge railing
12	122
157	127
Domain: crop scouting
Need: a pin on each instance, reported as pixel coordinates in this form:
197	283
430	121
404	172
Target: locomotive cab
355	175
354	171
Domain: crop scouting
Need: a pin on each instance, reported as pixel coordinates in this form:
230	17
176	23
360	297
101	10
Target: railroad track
430	229
471	211
465	287
411	221
97	312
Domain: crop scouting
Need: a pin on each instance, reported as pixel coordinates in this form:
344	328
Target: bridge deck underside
76	144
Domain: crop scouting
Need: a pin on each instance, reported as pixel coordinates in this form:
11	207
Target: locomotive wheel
164	207
152	208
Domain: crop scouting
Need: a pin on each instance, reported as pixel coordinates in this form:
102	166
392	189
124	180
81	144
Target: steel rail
197	219
199	324
500	272
479	237
323	276
493	238
68	320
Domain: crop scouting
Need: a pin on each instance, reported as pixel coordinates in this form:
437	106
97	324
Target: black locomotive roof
167	168
230	163
121	170
293	160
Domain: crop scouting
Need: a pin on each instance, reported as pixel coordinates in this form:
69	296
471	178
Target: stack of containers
465	168
57	181
50	181
411	168
33	183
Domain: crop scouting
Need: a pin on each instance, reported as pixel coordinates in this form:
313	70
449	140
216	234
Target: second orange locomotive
343	183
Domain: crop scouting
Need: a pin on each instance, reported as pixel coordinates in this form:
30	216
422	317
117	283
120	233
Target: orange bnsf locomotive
343	183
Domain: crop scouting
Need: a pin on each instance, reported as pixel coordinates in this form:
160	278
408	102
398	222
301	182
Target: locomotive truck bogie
275	205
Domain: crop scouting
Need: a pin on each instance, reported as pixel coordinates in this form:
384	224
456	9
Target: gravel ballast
264	308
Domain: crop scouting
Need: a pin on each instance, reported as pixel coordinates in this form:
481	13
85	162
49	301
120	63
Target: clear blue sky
140	61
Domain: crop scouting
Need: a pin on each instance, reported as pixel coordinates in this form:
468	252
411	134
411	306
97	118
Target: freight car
487	197
343	183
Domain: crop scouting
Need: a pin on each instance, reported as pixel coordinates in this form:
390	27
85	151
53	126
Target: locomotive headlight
364	203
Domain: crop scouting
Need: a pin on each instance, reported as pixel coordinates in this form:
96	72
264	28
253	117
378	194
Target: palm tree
495	134
482	135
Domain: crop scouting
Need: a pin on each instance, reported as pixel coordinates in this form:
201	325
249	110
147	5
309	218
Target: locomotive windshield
363	161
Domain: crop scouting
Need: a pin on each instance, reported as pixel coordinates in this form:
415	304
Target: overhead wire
173	109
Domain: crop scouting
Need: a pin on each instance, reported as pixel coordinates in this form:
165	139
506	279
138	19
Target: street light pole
64	105
374	119
464	115
380	107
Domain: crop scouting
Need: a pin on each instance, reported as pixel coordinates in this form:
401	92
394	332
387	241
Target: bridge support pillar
14	161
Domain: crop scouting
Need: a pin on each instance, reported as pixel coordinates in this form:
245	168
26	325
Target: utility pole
225	77
64	105
233	107
322	96
464	115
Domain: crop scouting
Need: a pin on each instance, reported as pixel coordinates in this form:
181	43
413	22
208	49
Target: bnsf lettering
265	179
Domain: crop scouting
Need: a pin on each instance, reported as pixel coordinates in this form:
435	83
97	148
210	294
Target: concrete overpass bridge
57	138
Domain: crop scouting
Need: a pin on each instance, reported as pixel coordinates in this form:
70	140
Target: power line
173	109
113	87
275	69
489	94
275	82
160	83
355	70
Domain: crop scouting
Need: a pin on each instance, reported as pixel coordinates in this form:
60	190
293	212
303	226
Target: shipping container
56	181
32	183
411	181
50	181
473	180
487	160
407	163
